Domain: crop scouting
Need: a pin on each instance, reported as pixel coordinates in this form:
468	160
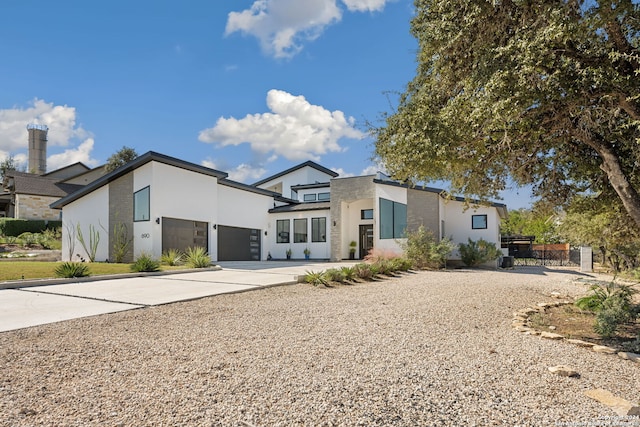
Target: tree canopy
120	158
544	92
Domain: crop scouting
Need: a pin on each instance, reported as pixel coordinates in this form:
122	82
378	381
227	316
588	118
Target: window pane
141	205
399	220
324	196
478	221
309	197
299	230
318	229
282	228
366	214
386	219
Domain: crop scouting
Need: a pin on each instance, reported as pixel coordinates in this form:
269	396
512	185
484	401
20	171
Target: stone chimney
37	148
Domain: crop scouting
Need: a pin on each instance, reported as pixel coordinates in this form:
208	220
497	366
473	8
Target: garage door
238	244
181	234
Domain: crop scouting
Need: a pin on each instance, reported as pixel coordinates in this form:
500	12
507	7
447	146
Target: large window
282	228
318	229
299	230
141	206
478	221
393	219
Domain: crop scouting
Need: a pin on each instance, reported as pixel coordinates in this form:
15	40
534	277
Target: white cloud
241	173
282	26
63	131
342	173
73	155
295	129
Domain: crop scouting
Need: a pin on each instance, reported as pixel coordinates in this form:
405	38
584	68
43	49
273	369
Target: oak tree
545	92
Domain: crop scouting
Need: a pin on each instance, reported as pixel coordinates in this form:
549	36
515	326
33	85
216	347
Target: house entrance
366	239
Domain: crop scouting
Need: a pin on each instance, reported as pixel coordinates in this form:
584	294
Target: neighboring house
28	195
160	203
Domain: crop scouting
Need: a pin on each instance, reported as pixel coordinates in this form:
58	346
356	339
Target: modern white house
166	203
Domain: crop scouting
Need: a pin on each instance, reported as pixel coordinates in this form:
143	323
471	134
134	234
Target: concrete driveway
29	305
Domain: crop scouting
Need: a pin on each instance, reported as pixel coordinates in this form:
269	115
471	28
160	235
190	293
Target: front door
366	240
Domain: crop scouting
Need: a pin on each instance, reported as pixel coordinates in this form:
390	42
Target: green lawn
16	270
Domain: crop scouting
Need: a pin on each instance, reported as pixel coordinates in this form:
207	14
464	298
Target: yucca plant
172	257
316	278
145	263
348	273
334	275
197	257
363	271
70	269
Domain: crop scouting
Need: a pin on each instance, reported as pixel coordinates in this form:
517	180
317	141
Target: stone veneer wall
423	209
346	190
36	207
121	210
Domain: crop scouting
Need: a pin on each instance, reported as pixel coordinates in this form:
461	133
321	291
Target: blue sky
246	87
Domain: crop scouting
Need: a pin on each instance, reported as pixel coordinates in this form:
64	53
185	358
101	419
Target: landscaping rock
620	406
629	356
564	371
551	336
604	349
581	343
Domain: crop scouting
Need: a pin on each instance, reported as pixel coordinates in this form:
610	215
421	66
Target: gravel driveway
428	349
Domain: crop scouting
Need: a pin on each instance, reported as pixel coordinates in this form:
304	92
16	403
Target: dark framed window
323	197
319	229
141	205
300	230
393	219
309	197
478	222
366	214
282	230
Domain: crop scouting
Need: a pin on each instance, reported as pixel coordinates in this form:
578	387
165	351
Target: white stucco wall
305	175
319	250
175	193
396	194
351	222
239	208
93	209
458	224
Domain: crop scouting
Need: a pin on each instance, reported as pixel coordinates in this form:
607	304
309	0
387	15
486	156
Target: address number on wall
145	235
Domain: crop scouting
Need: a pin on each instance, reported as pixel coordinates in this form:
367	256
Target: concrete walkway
26	306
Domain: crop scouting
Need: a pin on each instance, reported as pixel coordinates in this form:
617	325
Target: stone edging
520	323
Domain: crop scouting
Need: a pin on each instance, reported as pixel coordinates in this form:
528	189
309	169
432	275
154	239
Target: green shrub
363	271
14	227
613	305
71	269
476	253
401	264
197	257
145	263
28	239
172	257
334	275
423	250
348	273
316	278
385	267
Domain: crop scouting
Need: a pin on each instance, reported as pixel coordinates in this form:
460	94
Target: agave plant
172	257
197	257
145	263
71	269
316	278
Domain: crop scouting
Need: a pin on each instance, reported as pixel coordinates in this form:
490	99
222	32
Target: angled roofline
309	186
132	165
240	186
309	163
501	207
67	167
302	207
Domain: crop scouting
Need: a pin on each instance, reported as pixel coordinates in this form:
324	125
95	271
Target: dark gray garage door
238	244
182	234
